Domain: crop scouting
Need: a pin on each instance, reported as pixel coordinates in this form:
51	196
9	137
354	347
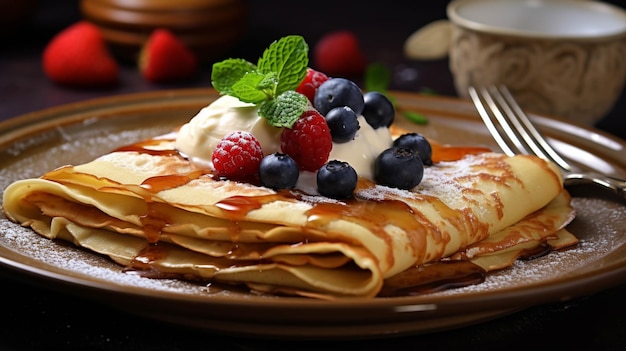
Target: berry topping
278	171
271	82
237	156
78	56
336	179
165	58
338	53
398	168
308	141
311	82
337	92
378	110
343	124
418	143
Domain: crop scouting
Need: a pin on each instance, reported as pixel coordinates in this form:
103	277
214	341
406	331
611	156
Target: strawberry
164	58
310	83
308	141
78	56
338	54
237	156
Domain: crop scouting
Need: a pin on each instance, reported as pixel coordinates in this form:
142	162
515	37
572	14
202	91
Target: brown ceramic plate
35	143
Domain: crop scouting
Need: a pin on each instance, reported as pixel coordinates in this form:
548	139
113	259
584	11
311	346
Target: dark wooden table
36	317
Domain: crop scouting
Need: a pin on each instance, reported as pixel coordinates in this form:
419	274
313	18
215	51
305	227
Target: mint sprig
271	83
284	108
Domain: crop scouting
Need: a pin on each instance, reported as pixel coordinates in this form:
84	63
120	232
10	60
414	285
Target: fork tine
486	117
533	137
516	125
533	141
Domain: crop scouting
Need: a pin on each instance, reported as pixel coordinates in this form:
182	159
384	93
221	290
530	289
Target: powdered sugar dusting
35	155
442	180
601	228
74	262
599	224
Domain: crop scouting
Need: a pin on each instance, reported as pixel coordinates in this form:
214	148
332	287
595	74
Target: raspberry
308	141
311	82
237	157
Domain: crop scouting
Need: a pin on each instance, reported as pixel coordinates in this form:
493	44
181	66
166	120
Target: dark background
381	28
35	318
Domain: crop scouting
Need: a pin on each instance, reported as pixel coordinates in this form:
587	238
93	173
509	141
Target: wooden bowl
209	27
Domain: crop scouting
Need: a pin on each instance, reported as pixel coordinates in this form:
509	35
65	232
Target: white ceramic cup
564	58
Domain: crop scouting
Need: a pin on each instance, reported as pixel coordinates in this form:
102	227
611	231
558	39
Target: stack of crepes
149	208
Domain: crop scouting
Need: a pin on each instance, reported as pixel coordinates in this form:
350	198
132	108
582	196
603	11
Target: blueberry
418	143
278	171
378	109
337	92
343	124
336	179
398	168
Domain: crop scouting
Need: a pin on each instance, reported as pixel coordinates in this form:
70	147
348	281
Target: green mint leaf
228	72
246	89
428	91
285	109
288	57
269	83
416	117
377	78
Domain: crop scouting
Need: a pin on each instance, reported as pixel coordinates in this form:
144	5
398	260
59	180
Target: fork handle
615	185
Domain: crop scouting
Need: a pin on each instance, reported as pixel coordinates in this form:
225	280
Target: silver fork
497	107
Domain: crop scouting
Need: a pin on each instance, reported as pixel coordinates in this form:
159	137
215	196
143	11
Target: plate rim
539	292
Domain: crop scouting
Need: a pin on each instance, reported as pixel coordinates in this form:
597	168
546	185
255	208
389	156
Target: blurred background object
564	58
381	31
208	27
430	42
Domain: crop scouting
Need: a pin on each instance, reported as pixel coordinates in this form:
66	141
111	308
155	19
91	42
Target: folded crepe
150	209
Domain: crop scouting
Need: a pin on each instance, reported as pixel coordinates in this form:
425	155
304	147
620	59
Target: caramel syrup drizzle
374	215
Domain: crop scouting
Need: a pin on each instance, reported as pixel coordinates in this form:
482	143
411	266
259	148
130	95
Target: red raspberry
311	82
237	156
308	141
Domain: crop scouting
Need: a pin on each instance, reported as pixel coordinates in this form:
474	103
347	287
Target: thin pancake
147	207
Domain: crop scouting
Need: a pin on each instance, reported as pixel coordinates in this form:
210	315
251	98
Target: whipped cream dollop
197	138
361	152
